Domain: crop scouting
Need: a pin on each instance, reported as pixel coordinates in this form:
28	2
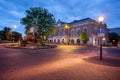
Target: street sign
101	32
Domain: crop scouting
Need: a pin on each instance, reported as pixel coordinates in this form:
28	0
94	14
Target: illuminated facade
71	35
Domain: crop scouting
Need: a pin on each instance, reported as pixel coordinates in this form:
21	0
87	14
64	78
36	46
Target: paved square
61	63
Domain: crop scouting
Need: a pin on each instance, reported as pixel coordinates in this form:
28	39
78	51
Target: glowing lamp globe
101	18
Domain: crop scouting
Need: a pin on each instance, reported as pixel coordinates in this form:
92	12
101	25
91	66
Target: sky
11	11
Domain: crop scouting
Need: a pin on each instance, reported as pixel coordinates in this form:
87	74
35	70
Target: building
68	33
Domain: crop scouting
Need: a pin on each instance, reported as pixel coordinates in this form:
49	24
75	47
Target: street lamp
67	27
101	19
103	39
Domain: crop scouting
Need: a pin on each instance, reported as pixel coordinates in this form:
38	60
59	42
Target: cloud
17	14
10	23
12	11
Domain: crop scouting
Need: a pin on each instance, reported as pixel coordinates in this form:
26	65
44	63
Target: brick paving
61	63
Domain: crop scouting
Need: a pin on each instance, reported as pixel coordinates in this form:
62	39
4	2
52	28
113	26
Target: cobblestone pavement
61	63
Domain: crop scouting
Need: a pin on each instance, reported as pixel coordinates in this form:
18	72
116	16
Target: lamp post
67	27
101	19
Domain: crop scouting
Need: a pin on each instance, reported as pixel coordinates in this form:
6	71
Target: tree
41	20
6	32
15	36
113	38
1	35
84	36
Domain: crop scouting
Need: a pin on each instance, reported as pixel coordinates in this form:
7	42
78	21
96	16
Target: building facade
69	33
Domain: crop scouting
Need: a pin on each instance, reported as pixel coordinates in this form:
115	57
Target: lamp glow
103	39
14	26
66	26
101	18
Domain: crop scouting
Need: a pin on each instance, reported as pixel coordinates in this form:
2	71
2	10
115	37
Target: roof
76	21
80	21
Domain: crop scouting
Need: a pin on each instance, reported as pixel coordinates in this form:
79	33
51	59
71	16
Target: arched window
50	41
78	41
62	40
85	29
58	40
54	40
72	41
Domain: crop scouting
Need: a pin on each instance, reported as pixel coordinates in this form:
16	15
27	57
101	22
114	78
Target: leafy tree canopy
7	34
84	36
41	20
4	34
38	18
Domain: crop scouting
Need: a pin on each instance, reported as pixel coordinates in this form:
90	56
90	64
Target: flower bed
31	47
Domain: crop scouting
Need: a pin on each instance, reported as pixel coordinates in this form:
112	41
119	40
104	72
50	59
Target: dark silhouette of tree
15	36
7	34
113	38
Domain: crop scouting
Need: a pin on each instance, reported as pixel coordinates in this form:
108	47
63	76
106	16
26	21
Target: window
62	40
85	29
72	33
62	32
95	39
58	41
78	41
72	41
78	33
54	40
57	33
59	24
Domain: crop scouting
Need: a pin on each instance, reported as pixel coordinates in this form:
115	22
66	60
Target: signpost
101	34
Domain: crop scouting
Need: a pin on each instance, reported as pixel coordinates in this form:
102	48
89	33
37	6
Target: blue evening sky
11	11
